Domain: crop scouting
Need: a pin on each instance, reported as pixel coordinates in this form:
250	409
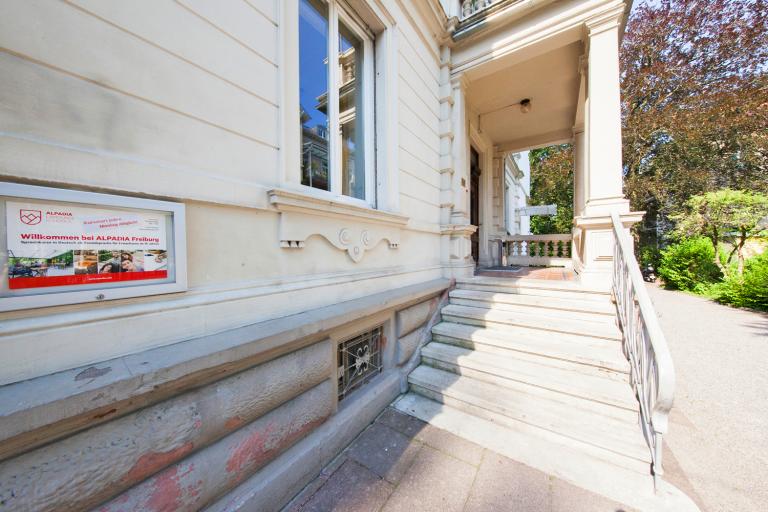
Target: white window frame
70	295
337	9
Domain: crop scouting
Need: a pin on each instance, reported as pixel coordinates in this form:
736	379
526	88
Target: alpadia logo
30	217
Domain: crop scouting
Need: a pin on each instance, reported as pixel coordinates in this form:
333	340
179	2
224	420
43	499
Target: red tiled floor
548	273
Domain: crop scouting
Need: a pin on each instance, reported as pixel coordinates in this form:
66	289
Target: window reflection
350	104
313	87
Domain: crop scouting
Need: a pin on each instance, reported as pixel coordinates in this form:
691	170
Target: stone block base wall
240	420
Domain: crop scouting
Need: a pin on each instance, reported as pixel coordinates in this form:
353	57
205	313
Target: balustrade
552	250
470	7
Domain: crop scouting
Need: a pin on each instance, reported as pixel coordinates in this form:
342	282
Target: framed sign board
64	247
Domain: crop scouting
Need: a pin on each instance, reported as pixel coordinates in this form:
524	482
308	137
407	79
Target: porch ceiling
550	81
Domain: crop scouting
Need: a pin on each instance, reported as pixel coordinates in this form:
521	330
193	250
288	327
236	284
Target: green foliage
552	183
649	255
747	290
694	114
727	215
689	265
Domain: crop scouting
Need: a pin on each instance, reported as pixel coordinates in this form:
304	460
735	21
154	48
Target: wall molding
348	227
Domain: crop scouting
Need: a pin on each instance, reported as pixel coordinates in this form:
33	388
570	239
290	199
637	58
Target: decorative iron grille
359	360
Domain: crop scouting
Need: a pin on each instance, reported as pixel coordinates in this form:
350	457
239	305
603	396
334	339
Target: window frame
339	10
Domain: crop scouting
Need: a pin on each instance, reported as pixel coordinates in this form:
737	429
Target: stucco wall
182	101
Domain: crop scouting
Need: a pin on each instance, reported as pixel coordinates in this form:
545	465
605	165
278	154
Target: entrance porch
513	89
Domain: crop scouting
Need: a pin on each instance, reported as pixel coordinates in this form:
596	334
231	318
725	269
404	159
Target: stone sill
289	200
41	410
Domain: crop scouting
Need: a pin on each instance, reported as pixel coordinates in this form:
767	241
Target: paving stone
384	451
352	488
451	444
505	485
435	437
435	482
569	498
403	423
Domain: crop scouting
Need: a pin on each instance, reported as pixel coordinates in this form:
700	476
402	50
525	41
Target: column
603	120
460	152
597	160
455	230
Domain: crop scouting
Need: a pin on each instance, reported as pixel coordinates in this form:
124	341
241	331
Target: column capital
605	21
460	82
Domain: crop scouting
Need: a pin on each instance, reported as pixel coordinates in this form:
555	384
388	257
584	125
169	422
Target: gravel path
717	447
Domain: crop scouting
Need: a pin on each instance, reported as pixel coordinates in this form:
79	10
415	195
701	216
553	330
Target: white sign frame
17	191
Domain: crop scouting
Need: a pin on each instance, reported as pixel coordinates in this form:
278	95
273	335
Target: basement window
359	359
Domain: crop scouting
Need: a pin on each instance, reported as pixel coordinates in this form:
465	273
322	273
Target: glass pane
313	93
350	113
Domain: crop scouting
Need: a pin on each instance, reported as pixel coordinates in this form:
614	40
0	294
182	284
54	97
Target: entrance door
474	201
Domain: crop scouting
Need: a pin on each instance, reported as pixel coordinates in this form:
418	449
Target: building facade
321	150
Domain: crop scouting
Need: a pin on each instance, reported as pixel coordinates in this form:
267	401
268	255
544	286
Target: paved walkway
717	448
401	464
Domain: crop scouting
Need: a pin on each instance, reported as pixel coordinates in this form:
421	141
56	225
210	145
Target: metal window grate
359	360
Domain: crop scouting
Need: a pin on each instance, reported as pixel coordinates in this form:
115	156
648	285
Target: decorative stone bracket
351	228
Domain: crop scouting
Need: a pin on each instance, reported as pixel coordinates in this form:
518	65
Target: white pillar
455	230
598	164
603	120
460	152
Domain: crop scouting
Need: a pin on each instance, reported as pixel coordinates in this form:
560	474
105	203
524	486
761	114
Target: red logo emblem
30	217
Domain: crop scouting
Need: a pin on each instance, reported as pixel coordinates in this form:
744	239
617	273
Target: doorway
474	201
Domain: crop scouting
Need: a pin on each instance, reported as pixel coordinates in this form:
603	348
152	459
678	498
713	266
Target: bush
749	290
688	265
649	255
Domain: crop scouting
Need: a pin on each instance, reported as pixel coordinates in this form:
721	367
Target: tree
552	183
731	216
694	103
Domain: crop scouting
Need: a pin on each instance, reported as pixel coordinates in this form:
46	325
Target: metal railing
546	250
652	374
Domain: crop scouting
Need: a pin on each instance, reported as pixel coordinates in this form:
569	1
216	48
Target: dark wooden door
474	201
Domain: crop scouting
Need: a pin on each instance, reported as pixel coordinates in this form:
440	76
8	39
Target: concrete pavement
400	463
717	447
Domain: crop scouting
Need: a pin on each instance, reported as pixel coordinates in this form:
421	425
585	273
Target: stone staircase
534	370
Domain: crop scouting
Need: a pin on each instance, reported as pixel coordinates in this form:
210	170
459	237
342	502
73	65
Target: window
336	100
359	359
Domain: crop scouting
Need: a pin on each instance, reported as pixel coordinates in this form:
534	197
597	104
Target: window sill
332	206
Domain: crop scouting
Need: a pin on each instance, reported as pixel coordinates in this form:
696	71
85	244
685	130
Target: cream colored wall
180	100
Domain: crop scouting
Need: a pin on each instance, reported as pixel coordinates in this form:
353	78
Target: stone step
579	353
614	440
560	308
510	372
496	319
534	287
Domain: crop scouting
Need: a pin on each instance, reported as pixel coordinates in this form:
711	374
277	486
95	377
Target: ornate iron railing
359	359
652	373
553	250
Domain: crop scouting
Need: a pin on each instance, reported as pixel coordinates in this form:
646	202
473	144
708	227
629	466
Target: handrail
652	371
